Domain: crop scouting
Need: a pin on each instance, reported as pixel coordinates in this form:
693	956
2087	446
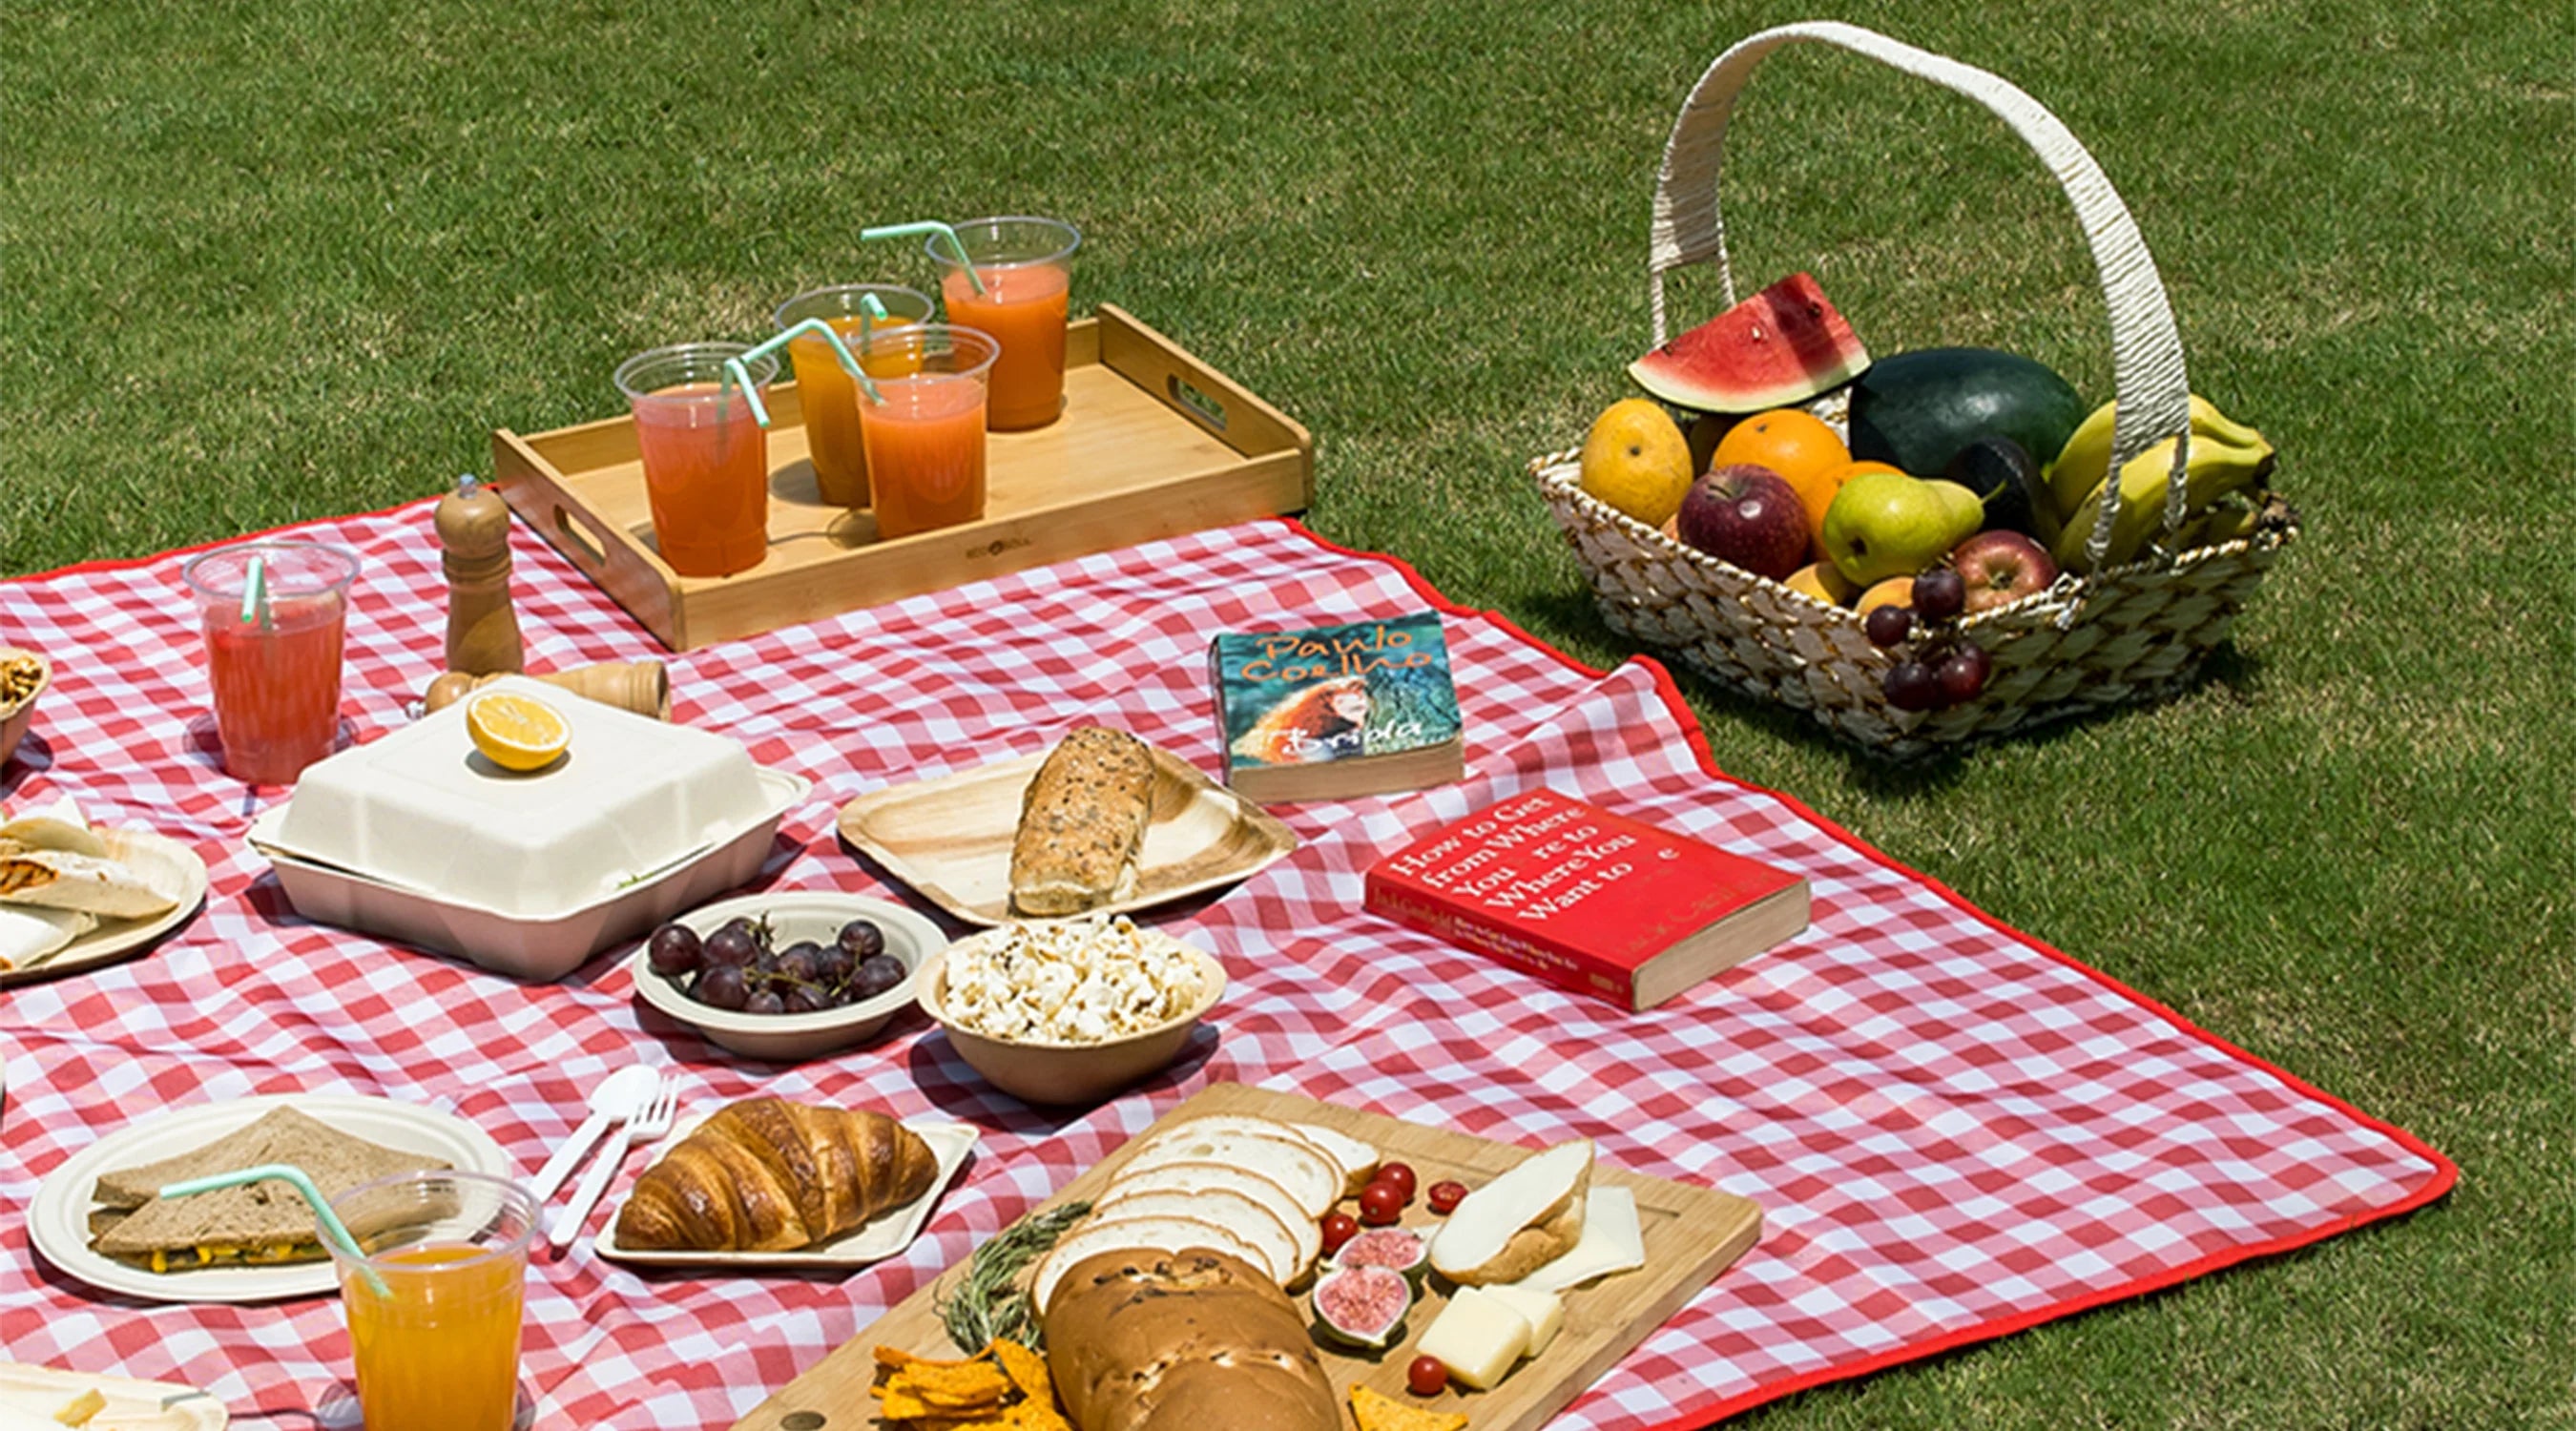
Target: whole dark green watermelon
1918	409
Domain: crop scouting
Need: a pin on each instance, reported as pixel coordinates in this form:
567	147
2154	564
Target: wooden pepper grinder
482	626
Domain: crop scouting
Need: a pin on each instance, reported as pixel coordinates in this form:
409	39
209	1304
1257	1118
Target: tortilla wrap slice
30	936
58	879
260	1222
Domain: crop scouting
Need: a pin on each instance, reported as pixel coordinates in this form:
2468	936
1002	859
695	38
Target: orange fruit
1818	494
1895	591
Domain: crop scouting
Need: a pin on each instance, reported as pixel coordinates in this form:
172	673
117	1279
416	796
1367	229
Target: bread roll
1185	1341
1082	824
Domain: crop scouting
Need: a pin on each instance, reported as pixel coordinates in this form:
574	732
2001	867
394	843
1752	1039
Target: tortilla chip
1378	1412
1026	1369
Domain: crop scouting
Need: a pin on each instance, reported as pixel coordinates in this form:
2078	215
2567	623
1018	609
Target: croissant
767	1175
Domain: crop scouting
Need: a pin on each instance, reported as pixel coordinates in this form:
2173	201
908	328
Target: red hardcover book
1594	902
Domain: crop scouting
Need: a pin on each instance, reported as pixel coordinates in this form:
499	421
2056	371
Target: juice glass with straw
925	434
273	615
706	460
830	396
432	1282
1020	283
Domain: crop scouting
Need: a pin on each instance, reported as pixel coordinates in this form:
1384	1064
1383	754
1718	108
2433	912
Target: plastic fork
649	1125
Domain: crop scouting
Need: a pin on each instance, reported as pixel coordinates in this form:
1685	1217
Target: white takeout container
417	837
421	808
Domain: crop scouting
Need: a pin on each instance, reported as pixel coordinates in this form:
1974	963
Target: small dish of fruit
788	975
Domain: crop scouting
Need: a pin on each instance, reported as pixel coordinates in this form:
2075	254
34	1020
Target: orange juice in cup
273	661
831	398
925	436
1022	282
706	460
435	1329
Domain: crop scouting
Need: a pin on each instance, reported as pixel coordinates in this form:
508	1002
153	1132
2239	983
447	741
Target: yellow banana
2086	459
2216	469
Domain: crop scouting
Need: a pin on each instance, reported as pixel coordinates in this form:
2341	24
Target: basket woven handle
2146	351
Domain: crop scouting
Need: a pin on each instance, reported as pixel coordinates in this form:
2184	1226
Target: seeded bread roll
1183	1341
1082	824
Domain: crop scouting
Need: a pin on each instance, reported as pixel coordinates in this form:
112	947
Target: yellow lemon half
516	732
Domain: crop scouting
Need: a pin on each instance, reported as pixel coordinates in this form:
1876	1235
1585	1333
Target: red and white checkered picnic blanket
1953	1132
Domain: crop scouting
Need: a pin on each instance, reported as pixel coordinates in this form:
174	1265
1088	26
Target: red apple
1748	515
2001	567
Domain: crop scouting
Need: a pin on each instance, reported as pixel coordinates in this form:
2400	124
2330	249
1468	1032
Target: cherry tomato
1381	1203
1339	1227
1427	1376
1445	1197
1400	1174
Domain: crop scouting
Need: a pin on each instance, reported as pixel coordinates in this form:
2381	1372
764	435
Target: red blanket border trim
2446	1173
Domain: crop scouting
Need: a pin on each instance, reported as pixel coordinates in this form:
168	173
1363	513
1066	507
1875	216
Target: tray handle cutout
588	550
1188	399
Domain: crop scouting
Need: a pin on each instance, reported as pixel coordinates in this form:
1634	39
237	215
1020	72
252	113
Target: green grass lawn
266	263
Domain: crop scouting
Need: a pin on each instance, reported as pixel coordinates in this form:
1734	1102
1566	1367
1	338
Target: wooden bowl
1061	1073
16	716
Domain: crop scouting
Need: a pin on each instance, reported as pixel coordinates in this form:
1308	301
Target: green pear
1884	524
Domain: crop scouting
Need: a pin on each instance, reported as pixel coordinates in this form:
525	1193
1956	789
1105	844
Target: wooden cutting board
1691	1233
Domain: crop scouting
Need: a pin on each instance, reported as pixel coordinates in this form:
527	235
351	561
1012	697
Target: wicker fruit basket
2130	633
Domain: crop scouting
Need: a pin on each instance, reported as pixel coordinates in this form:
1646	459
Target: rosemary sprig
988	1303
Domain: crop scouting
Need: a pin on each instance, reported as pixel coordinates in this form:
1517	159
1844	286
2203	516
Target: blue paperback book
1337	712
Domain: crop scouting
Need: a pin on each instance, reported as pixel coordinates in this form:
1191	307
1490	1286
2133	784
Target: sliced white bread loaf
1192	1175
1358	1160
1233	1211
1161	1232
1313	1179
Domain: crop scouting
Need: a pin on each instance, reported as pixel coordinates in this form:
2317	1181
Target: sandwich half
257	1224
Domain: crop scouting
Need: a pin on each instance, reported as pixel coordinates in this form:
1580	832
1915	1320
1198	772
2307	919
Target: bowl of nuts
789	975
23	677
1070	1011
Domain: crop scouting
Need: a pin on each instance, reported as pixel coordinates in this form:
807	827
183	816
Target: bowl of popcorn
23	676
1069	1011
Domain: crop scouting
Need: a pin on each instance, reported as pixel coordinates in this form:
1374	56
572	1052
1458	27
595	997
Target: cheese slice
1612	1242
1544	1311
1477	1337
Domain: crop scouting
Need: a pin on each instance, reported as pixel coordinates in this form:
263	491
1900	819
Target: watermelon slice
1781	346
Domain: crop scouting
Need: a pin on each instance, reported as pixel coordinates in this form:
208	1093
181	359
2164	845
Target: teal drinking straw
332	1228
255	592
956	245
740	375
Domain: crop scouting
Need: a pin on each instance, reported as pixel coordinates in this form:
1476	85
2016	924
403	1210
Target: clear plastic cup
276	677
1027	268
706	460
831	399
435	1331
925	440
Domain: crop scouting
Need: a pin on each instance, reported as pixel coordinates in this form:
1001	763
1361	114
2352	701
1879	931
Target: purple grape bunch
1945	669
740	968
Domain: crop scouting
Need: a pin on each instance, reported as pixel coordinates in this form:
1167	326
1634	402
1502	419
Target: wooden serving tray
1153	443
1692	1234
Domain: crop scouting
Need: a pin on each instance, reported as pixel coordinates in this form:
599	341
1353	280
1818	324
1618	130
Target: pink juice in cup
276	676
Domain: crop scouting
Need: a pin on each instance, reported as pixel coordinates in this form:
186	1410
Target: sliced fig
1390	1247
1362	1306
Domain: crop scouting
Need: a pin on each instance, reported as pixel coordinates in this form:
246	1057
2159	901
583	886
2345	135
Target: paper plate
58	1219
950	838
874	1241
